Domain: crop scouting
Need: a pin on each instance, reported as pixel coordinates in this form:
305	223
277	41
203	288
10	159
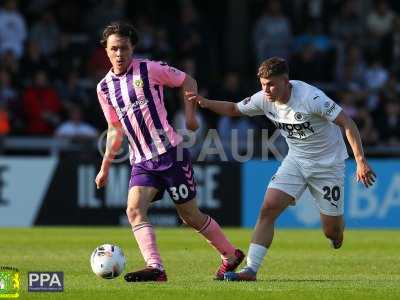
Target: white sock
255	256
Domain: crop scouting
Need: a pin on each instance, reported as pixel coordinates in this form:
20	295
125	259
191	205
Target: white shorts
326	183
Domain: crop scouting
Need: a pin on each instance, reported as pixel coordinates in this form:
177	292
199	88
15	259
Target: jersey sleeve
324	106
251	106
164	74
108	109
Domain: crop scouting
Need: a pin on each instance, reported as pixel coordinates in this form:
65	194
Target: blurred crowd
51	60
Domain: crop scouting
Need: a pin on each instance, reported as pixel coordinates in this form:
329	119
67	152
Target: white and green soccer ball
107	261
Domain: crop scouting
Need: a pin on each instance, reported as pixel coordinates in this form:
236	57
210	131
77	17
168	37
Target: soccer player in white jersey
310	122
131	96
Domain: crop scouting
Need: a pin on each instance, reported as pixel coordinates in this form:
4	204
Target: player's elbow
189	83
235	112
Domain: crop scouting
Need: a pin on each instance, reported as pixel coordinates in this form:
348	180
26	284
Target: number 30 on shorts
331	193
180	192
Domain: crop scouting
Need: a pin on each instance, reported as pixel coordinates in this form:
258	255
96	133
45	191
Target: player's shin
214	235
146	239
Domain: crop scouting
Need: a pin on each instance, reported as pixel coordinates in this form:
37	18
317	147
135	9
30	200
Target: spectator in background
7	96
5	126
389	124
98	64
379	22
147	42
189	34
75	127
67	57
162	48
8	93
42	106
307	64
9	62
71	92
322	46
12	29
11	116
365	123
103	13
228	127
390	49
350	69
347	26
195	40
32	61
375	78
272	34
391	90
45	32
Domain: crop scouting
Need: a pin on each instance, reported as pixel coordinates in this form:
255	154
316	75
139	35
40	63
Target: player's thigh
140	197
286	185
327	188
179	180
142	184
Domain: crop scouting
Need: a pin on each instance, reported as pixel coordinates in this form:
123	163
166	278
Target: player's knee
269	213
135	215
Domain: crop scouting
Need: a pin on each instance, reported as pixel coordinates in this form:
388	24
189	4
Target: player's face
274	87
119	51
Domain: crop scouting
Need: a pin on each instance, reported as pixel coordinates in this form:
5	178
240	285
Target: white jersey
306	122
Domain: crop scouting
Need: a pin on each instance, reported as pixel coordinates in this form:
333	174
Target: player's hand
197	98
101	179
365	173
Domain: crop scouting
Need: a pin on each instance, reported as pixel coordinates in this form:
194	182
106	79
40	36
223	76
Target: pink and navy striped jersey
136	99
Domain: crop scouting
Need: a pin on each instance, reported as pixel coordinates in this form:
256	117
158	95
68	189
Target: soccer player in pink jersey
131	96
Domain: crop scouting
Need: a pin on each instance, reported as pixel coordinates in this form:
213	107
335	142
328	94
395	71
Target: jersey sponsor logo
331	109
298	116
246	101
296	131
133	105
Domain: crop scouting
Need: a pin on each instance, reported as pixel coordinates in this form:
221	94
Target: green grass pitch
300	264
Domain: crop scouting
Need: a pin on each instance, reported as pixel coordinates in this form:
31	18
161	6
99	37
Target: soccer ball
107	261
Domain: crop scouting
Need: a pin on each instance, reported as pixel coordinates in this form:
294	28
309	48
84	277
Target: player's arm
189	86
364	171
220	107
113	145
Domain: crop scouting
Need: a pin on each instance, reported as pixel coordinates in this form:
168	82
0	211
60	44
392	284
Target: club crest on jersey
298	116
138	83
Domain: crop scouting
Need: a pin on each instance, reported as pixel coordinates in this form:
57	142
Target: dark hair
273	66
120	28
